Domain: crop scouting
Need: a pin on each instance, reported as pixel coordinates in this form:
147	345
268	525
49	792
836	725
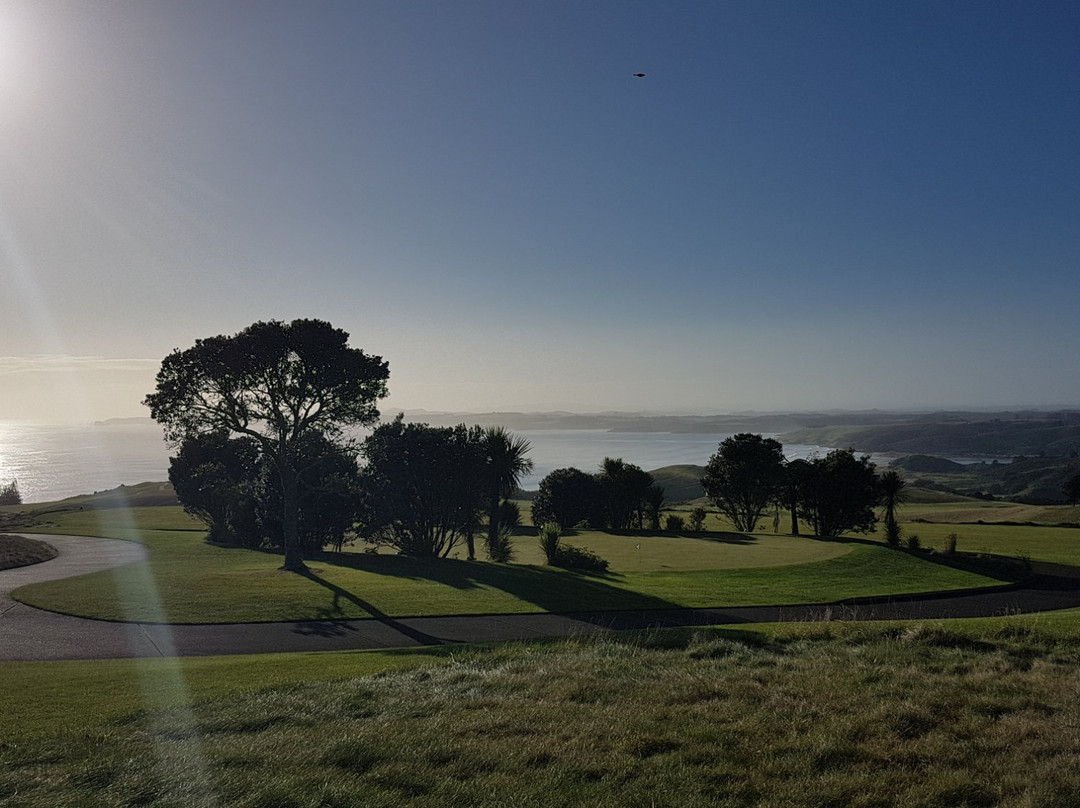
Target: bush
576	558
674	523
565	556
697	519
9	494
500	547
950	544
913	542
550	533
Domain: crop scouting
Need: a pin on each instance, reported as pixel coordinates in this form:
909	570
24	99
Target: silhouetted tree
328	502
654	504
840	493
9	494
796	474
509	518
425	485
624	487
891	487
568	497
506	465
275	383
212	475
744	476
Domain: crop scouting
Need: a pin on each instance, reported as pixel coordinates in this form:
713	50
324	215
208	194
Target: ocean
53	462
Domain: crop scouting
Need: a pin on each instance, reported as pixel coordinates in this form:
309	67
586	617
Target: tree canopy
274	382
839	494
425	486
506	465
744	477
568	497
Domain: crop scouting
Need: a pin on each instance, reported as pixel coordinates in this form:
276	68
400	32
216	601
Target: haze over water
53	462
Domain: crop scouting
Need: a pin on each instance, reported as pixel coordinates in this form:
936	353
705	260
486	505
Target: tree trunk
794	517
493	523
290	496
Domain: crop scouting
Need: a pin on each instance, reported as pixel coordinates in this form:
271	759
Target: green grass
188	581
835	714
18	551
1058	545
54	699
975	510
707	551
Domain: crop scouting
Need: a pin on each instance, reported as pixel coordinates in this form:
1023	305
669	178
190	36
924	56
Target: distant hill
681	483
143	495
1058	437
926	464
1030	480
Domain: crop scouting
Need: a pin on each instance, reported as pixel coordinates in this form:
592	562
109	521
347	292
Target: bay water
52	462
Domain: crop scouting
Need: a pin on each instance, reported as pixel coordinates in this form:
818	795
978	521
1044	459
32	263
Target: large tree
212	475
276	383
744	476
625	487
506	465
796	474
425	486
840	493
568	497
330	496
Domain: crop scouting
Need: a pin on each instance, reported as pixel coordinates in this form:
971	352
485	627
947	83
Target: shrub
9	494
565	556
499	547
550	533
697	519
913	542
575	558
950	544
674	523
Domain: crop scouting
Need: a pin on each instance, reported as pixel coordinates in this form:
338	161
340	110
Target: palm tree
892	495
506	465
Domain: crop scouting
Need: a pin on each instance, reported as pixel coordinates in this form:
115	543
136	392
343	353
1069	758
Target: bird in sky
639	75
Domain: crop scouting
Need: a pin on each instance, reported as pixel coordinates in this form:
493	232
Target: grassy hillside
1031	480
681	483
1000	438
926	464
855	715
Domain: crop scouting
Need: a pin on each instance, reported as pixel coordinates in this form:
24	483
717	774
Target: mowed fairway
188	581
719	551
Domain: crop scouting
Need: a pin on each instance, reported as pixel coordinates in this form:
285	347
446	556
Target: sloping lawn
889	715
188	581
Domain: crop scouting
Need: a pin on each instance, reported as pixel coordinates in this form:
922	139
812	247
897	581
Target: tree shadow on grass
721	536
549	588
999	567
329	622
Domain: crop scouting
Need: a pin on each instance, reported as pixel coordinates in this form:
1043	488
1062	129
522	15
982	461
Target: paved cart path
31	634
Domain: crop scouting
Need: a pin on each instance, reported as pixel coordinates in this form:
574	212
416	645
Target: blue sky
801	205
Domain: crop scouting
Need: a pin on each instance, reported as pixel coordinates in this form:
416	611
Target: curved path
31	634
